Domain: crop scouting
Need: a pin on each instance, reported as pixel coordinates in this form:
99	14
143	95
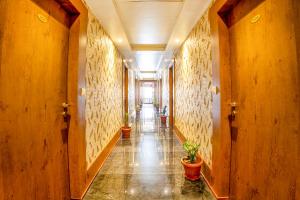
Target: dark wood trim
205	169
221	77
126	90
160	93
171	115
97	165
76	81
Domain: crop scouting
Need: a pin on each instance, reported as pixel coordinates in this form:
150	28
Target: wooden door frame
171	94
220	25
125	92
219	178
79	179
76	57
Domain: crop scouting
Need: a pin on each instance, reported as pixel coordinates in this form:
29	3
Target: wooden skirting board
97	165
205	167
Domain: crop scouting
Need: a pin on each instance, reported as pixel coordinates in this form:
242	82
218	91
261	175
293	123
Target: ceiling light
130	60
120	40
177	41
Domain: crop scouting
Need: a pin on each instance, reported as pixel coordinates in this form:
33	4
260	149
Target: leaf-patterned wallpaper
103	90
193	82
165	88
131	93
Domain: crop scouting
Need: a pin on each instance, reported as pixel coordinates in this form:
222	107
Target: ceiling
148	22
148	32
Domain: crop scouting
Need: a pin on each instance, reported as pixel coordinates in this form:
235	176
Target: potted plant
192	162
126	129
163	117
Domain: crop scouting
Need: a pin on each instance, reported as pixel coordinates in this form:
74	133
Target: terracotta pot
126	132
163	119
192	170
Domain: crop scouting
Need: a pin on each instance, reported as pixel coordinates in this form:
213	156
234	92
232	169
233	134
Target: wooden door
265	86
33	86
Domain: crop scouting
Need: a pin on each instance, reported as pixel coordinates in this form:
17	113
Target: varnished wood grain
218	175
126	90
268	128
265	84
296	6
171	85
76	81
33	85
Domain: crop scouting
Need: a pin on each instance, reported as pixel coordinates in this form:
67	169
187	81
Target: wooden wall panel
126	89
76	81
266	87
296	6
33	86
264	53
171	97
221	139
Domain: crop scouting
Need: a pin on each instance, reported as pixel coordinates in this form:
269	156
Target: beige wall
131	93
165	88
103	90
193	78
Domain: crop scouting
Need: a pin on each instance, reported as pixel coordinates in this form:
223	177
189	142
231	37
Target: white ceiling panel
148	60
148	22
148	32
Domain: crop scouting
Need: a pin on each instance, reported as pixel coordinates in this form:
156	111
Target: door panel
33	82
265	85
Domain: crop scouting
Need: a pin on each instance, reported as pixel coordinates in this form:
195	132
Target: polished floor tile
146	166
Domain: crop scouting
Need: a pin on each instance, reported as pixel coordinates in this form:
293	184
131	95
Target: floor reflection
146	166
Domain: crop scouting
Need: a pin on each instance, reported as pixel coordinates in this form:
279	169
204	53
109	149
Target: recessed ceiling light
120	40
177	41
130	60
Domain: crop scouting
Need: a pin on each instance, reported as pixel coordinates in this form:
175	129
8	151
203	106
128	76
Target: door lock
234	111
65	113
65	105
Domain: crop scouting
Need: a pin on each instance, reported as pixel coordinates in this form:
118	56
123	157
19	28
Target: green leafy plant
192	150
164	112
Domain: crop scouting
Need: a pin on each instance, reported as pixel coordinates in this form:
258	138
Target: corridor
146	166
149	99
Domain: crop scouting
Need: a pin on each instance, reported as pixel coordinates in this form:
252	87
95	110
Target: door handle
65	113
233	111
65	105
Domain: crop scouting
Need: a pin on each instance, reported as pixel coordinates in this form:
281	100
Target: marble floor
146	166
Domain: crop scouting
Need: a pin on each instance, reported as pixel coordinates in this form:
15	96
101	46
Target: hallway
149	99
146	166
